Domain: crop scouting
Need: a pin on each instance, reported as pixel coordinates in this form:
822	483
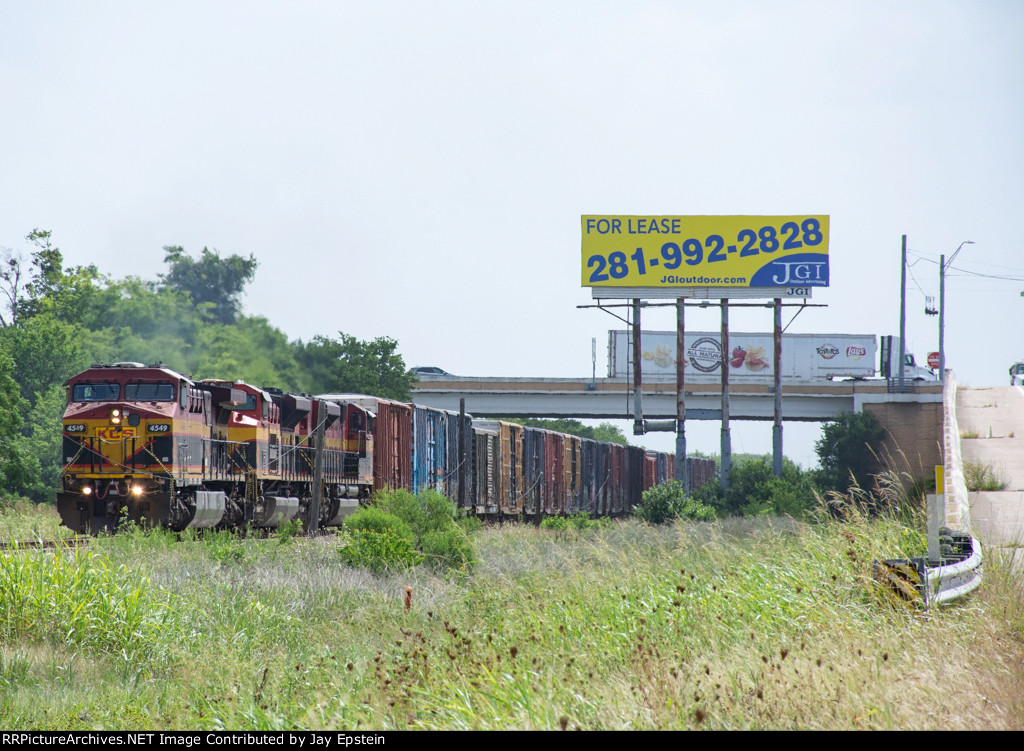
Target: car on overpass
429	371
1017	373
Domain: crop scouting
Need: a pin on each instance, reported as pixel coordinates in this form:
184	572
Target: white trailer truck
750	356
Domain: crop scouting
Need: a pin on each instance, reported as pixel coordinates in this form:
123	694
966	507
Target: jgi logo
800	272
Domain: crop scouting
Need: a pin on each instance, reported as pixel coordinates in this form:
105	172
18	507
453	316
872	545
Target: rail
40	544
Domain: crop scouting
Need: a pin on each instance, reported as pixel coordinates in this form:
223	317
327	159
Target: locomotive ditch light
136	490
87	490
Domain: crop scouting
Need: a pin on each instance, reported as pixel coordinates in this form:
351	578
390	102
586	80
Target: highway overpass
608	398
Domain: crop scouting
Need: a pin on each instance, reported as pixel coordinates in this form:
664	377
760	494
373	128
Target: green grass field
758	624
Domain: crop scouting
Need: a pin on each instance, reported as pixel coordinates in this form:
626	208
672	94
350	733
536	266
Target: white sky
418	169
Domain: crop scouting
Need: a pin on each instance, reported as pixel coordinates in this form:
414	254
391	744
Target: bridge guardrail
958	571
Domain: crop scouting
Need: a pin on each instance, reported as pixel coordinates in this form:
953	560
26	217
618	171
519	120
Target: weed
980	476
288	530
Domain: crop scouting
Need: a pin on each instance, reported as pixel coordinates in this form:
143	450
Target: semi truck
751	356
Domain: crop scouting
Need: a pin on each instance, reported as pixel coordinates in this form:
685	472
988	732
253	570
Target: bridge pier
913	441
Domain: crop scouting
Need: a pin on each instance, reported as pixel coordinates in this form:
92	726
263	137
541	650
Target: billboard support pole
726	438
777	427
638	409
903	314
681	474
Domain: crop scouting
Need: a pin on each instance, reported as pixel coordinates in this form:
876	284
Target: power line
988	276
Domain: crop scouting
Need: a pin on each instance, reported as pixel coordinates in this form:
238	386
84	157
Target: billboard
750	357
680	252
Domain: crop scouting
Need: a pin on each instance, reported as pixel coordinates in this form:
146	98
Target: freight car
148	445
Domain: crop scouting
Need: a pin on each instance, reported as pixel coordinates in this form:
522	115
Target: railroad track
38	544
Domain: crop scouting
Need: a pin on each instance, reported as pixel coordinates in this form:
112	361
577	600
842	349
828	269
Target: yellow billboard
705	251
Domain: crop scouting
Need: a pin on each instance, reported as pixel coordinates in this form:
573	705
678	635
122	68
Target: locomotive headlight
115	416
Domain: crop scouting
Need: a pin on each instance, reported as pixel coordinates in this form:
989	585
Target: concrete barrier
958	509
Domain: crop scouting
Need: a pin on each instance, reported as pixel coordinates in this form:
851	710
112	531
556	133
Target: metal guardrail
927	582
958	569
955	578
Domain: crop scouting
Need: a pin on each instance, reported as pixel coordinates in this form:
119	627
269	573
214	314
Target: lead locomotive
149	445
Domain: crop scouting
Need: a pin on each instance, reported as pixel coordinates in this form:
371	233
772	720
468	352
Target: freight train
148	445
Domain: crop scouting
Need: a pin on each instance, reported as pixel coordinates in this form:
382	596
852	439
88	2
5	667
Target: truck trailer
750	357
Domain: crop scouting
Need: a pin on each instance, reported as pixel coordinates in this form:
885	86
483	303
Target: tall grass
22	519
77	599
743	623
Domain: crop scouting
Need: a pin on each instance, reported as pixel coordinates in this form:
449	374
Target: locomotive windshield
149	392
96	392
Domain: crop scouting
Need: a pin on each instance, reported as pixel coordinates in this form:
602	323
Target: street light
942	305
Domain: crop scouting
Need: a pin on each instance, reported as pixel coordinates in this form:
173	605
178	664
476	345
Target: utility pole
903	312
942	306
318	468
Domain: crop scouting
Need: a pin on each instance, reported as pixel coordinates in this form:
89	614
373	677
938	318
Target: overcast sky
418	169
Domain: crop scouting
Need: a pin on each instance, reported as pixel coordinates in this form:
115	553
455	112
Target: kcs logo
115	434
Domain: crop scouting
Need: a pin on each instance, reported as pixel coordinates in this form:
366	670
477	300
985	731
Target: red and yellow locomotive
149	445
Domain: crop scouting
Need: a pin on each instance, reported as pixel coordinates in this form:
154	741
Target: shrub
424	513
374	519
448	548
557	523
581	520
669	501
426	523
469	524
378	551
377	540
754	490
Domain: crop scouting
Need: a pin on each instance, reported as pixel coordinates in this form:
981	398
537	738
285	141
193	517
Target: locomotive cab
129	432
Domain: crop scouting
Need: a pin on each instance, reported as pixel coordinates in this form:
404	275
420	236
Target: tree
45	351
350	366
605	432
16	468
26	289
848	447
210	279
42	443
79	295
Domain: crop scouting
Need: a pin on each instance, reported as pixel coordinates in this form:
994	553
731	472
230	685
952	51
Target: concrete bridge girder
611	399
